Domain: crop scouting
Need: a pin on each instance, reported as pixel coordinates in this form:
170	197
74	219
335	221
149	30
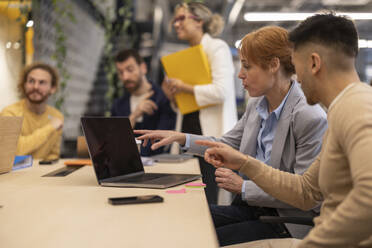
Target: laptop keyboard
142	178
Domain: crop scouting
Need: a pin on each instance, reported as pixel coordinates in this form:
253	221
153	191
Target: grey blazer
297	142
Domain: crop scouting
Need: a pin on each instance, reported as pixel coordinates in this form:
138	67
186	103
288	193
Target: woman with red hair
278	128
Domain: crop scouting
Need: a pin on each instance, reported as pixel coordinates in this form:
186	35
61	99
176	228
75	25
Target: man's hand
160	138
56	123
221	155
229	180
146	106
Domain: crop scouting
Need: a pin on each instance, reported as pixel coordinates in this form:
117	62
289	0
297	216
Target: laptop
116	159
171	158
10	129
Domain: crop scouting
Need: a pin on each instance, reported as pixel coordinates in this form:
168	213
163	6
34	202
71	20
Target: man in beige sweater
325	47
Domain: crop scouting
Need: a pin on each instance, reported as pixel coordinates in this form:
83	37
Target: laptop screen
112	146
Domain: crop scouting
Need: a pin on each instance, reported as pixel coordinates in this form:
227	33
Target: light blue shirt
266	134
265	137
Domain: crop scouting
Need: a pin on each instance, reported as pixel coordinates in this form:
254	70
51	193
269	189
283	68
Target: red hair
266	43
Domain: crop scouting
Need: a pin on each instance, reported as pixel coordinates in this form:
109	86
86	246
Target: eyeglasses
181	18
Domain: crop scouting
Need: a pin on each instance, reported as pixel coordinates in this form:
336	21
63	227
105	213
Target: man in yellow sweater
42	124
325	48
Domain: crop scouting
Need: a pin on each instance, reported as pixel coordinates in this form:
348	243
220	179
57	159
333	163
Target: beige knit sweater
341	176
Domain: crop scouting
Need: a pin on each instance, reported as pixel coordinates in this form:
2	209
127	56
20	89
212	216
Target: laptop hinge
113	179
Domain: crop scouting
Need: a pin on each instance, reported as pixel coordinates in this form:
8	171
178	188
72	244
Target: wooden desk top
73	211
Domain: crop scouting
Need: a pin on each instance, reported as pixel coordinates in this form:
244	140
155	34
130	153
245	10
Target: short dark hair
37	65
123	55
329	30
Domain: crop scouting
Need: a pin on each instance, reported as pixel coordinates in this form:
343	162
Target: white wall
10	61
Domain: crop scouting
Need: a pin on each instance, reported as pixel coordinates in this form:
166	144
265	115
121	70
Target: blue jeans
240	223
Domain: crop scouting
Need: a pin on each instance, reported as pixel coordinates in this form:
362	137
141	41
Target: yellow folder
192	67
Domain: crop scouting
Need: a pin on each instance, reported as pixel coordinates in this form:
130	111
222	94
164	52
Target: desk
73	211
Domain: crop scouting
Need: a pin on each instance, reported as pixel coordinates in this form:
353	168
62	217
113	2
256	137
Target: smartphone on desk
135	199
47	162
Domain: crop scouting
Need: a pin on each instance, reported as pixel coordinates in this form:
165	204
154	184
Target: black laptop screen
112	146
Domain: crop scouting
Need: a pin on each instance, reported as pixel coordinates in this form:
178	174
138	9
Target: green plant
114	29
24	8
63	11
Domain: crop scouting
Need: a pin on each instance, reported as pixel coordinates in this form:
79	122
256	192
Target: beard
309	94
38	101
136	84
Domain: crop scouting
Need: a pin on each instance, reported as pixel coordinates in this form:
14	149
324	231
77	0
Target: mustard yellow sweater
38	137
341	176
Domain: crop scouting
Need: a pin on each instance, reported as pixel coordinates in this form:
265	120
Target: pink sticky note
179	191
195	185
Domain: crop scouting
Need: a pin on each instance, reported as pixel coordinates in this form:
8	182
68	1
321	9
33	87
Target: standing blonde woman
196	24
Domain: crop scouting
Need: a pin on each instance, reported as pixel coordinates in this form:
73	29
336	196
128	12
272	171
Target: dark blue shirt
163	118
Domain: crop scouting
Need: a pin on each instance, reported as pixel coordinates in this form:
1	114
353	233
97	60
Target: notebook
10	129
116	159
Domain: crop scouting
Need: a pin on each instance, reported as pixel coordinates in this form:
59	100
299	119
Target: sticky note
195	185
179	191
78	162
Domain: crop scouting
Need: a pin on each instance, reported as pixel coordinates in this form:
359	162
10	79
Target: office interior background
80	37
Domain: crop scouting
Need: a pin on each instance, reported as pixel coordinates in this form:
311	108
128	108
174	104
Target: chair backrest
82	147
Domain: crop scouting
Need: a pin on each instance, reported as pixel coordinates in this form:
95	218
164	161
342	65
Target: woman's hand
221	155
166	87
160	138
178	86
229	180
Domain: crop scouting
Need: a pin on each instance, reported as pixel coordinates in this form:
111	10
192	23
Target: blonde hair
212	23
266	43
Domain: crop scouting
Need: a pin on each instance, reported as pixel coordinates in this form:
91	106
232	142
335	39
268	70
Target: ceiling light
30	23
362	43
16	45
275	16
237	43
345	2
8	45
365	43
